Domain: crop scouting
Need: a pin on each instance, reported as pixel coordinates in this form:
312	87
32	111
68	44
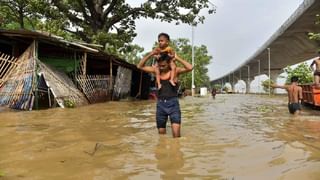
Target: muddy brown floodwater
231	137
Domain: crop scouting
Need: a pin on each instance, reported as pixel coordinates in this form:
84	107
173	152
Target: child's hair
294	79
165	35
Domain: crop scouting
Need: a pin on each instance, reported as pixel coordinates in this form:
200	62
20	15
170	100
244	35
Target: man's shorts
293	107
316	73
168	108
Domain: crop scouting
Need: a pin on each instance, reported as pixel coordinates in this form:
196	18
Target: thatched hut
39	70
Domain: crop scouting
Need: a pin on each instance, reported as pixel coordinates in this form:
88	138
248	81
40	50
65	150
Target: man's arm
141	64
278	86
187	67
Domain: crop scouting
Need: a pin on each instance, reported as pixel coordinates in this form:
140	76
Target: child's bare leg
173	73
172	79
157	71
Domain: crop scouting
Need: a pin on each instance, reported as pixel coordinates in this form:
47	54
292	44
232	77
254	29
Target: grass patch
265	108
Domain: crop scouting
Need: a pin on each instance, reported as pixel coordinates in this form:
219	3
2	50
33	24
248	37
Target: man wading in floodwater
167	102
294	95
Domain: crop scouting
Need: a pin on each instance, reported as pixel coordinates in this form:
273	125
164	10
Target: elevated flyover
289	45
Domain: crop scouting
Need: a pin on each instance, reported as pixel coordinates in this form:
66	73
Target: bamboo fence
95	87
18	84
7	64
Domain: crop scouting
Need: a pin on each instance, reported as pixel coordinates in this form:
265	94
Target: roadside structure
40	70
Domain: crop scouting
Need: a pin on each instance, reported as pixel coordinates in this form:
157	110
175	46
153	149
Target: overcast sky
232	35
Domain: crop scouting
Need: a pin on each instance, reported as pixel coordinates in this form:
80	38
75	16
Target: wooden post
111	78
84	70
49	97
140	85
35	55
75	65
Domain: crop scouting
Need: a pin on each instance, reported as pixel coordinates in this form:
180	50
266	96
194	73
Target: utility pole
259	71
192	44
269	57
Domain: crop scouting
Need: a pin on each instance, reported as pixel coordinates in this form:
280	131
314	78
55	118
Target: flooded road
231	137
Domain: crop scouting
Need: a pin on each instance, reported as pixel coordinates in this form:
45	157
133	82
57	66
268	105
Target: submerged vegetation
265	108
69	103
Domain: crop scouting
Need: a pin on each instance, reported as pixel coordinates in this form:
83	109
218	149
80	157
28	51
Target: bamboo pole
84	71
111	73
36	79
111	80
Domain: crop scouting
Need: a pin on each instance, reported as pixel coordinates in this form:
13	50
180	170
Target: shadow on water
229	137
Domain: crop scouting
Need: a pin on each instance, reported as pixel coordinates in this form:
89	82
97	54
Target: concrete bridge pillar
236	80
274	76
248	82
230	81
233	83
222	84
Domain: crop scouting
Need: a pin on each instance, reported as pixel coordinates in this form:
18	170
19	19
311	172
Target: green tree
112	22
302	71
29	14
133	54
217	86
201	60
265	85
315	35
55	26
20	14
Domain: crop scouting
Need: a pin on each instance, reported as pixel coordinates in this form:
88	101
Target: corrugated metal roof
45	36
